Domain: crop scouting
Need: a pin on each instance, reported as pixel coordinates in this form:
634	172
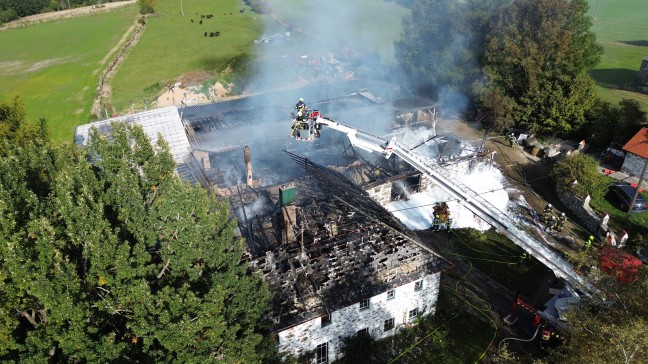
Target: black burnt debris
329	248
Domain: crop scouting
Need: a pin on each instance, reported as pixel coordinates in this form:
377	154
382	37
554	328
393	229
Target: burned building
337	262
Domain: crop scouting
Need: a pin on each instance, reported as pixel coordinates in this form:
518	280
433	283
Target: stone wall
581	208
633	164
305	337
642	77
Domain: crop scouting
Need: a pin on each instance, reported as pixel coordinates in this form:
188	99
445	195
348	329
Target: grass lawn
55	66
622	29
498	257
637	223
173	45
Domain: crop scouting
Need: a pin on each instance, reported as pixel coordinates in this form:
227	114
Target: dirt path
72	13
125	44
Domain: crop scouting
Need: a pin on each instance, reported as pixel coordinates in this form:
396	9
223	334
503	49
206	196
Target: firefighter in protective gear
553	223
448	224
561	221
436	223
548	211
300	105
511	139
588	243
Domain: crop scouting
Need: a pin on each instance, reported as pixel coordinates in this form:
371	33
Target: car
623	193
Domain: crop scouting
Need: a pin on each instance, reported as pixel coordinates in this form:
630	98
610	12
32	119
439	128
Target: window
391	294
418	285
326	320
412	314
363	332
364	304
321	354
389	324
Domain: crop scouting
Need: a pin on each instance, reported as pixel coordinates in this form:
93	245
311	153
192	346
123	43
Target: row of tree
524	63
15	9
107	256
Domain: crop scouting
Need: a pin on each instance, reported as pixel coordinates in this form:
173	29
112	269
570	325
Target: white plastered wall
305	337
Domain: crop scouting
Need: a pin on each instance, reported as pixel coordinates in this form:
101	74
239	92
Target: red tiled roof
638	144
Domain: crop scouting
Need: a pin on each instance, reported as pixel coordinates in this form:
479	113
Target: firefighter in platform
436	223
300	105
561	221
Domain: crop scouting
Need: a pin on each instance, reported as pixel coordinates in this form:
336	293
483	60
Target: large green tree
608	123
106	256
442	41
539	54
610	327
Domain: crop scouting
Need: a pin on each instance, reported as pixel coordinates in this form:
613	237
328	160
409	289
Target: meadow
174	48
54	67
621	28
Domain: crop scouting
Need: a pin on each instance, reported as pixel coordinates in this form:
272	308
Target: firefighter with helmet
588	243
448	224
301	105
561	221
436	223
548	211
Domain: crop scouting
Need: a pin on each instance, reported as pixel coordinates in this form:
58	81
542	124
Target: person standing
300	105
436	223
561	221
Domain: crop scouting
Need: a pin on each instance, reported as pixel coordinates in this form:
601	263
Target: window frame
418	285
321	353
326	320
364	304
391	294
411	317
364	331
389	324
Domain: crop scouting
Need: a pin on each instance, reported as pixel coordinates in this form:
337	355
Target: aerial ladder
472	200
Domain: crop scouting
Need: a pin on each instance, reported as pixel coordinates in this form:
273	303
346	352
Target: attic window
391	294
326	320
363	332
418	285
364	304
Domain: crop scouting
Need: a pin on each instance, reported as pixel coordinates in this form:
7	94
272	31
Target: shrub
146	6
582	168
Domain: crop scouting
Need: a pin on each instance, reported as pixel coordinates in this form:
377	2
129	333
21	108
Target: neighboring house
636	153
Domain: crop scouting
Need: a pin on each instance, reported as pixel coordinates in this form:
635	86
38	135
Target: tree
608	123
583	169
24	7
442	41
14	126
106	256
146	6
540	53
609	328
495	109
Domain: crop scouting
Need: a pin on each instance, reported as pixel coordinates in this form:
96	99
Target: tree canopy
608	123
583	169
106	256
539	54
609	328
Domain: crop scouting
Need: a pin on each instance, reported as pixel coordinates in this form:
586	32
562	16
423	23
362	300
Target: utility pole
181	10
595	11
634	198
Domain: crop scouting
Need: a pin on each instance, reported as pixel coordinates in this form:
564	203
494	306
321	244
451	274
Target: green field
622	28
55	66
173	46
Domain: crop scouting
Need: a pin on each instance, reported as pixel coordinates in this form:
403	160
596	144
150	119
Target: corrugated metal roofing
164	121
638	144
